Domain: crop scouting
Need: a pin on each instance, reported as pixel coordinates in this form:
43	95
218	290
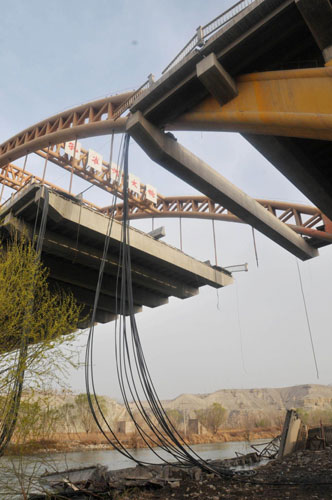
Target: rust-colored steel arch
293	112
87	120
303	219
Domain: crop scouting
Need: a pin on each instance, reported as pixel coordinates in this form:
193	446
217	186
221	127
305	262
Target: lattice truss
305	220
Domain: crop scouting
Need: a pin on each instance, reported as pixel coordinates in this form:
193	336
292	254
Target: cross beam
168	153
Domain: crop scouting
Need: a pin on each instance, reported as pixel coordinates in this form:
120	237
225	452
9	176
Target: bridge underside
73	249
268	75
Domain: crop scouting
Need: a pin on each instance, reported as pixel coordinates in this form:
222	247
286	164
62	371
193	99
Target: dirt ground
304	475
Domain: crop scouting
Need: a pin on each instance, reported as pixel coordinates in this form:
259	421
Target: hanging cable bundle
150	419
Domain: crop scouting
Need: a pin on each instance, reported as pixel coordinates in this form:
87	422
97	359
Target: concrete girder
56	244
216	80
101	317
292	103
167	152
65	272
87	297
97	225
318	17
59	246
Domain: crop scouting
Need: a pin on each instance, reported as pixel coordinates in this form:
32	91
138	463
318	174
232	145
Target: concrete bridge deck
73	248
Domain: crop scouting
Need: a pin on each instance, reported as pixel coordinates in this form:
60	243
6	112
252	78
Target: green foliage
67	417
83	415
37	419
263	423
315	417
213	417
175	416
36	333
27	306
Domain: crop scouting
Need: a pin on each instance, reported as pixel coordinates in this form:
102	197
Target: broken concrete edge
167	152
63	209
139	240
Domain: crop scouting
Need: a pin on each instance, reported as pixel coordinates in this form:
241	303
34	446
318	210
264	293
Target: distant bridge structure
263	69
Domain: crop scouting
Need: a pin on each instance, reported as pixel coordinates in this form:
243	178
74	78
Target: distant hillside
246	408
253	405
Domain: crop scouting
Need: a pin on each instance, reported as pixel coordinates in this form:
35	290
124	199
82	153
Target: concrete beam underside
166	151
318	17
74	262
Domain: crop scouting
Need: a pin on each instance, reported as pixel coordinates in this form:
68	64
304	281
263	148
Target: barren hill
257	404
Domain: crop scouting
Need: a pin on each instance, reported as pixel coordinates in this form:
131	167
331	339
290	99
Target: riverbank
70	442
301	476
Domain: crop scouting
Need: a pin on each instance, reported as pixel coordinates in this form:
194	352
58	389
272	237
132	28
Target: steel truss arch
87	120
306	220
252	111
303	219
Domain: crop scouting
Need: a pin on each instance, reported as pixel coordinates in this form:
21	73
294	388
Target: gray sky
55	55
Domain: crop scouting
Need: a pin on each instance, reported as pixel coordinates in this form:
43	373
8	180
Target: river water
16	469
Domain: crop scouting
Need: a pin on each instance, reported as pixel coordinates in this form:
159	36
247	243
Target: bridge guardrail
203	32
130	101
198	40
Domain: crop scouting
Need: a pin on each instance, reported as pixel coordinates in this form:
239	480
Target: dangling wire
45	164
214	243
111	149
307	317
239	325
72	165
131	367
25	161
180	227
2	190
216	260
254	241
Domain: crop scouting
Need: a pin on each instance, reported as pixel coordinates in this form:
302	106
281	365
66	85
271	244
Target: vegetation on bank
63	422
37	328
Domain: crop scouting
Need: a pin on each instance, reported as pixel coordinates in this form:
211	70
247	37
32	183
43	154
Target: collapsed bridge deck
73	248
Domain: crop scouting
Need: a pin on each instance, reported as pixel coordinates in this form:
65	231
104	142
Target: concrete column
165	150
318	16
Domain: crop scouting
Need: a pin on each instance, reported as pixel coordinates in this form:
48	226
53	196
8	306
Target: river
14	469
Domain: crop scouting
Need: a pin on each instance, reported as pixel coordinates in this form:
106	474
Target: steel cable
131	366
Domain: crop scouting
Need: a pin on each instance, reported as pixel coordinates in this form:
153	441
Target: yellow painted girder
293	103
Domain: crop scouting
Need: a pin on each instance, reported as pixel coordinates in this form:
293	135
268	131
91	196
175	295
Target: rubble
302	475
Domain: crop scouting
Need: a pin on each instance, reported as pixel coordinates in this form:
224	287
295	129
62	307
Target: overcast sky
55	55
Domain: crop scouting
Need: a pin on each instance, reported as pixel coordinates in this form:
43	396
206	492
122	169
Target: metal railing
203	32
130	101
198	40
